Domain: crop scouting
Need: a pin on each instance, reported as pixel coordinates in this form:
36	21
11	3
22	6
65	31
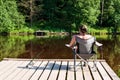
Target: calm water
53	47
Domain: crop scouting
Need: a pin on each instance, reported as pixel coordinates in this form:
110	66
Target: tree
116	15
111	14
107	11
88	11
10	18
60	14
71	13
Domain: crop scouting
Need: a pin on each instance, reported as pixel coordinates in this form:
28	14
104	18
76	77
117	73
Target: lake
53	47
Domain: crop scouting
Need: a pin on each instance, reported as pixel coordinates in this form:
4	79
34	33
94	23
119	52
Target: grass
31	30
24	31
98	30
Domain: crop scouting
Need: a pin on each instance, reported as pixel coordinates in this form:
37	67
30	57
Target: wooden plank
16	71
18	59
54	73
39	71
63	70
54	70
11	70
95	73
103	73
70	73
3	64
79	74
23	71
110	71
47	71
31	71
10	64
86	73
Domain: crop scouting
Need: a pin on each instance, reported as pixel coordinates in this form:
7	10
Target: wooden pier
54	69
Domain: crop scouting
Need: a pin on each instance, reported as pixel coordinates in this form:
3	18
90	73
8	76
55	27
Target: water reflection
53	47
111	51
12	46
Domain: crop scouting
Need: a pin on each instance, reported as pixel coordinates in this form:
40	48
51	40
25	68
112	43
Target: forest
58	15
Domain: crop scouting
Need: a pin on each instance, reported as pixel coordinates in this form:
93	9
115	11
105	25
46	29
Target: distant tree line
58	14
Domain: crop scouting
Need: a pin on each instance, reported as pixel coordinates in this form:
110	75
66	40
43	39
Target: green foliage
88	11
61	14
111	14
117	12
10	18
58	15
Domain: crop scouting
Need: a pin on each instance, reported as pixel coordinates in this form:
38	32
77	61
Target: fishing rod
31	63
